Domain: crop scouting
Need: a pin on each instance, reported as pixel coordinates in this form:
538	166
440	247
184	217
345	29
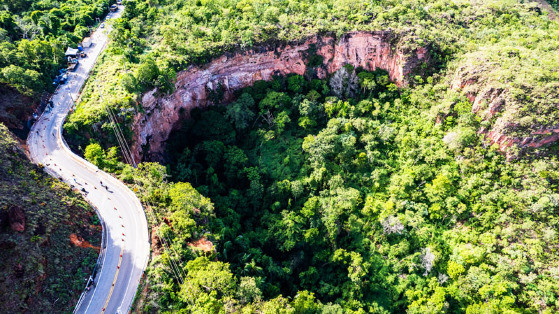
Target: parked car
86	42
63	78
73	65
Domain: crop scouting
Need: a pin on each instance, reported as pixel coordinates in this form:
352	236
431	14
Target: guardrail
98	264
52	173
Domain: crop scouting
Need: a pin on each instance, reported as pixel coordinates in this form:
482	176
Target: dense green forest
347	194
35	34
355	204
364	203
496	45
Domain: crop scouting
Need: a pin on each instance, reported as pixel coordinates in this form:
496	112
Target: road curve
125	254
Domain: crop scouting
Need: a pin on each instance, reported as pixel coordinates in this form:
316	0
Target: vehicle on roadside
72	66
86	42
60	79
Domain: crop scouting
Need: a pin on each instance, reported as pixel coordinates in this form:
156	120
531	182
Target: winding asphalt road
125	252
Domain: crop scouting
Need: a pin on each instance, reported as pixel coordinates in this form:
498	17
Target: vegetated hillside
15	109
553	3
346	194
315	57
42	222
33	38
504	37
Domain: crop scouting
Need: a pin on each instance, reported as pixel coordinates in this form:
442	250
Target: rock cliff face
493	103
16	109
17	218
370	50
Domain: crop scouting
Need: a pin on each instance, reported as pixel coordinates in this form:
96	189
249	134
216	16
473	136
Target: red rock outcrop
370	50
17	218
16	109
203	244
493	103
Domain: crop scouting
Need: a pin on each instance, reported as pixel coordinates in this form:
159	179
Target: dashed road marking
114	281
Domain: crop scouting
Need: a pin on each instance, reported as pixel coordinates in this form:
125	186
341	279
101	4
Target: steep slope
513	86
48	237
480	47
15	109
369	203
231	72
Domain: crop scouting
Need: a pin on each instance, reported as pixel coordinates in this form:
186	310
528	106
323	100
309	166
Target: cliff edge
230	72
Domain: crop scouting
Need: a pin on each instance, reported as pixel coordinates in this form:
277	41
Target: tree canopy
34	36
345	194
366	210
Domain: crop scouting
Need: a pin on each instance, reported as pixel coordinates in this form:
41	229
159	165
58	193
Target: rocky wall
369	50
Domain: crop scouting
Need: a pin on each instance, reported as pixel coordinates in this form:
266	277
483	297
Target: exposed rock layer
17	218
16	109
370	50
495	105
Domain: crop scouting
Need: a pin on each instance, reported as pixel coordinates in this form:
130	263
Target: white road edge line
102	268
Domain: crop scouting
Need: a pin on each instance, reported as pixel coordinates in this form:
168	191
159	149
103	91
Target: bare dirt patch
80	242
203	244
